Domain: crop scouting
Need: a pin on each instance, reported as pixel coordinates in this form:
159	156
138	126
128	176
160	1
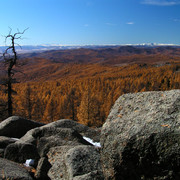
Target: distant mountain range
41	48
104	54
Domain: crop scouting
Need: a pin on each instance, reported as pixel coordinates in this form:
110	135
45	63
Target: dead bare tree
10	59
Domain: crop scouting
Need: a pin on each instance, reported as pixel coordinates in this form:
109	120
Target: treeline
89	100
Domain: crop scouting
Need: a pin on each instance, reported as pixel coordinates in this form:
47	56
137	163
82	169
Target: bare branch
20	33
10	58
10	30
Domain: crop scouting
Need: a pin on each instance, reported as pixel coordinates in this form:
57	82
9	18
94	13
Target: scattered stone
20	152
4	141
93	133
56	157
12	170
52	137
82	160
16	126
69	162
141	137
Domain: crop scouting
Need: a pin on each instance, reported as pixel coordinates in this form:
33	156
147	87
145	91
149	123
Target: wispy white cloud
161	2
110	24
130	23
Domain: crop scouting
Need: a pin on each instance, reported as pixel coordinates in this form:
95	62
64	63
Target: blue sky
74	22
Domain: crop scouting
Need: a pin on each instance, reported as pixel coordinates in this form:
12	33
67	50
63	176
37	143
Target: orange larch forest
85	92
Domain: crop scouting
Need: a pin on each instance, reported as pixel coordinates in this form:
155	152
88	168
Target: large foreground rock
141	137
11	170
16	126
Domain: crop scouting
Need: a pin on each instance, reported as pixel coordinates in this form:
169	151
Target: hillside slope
81	63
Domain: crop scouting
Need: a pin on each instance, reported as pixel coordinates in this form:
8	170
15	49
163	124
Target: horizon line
69	45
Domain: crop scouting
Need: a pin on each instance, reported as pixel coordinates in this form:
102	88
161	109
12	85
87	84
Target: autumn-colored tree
26	102
89	100
50	111
89	110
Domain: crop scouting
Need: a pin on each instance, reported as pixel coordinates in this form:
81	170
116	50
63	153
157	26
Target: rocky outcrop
16	126
38	144
139	140
79	162
12	170
141	137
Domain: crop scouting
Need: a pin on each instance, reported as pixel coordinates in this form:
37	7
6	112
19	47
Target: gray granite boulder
56	157
4	141
20	152
32	135
93	133
141	137
79	162
38	141
82	160
16	126
11	170
52	137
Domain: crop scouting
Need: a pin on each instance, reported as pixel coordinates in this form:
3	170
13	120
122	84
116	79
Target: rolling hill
81	63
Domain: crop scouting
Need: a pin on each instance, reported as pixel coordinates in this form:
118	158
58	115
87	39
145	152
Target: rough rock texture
4	141
1	153
93	133
80	162
52	137
16	126
95	175
141	137
56	157
20	152
42	169
11	170
50	143
32	135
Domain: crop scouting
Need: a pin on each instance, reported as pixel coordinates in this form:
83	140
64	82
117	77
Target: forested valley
85	92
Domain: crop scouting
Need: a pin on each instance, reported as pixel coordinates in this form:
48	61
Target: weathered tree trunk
10	59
